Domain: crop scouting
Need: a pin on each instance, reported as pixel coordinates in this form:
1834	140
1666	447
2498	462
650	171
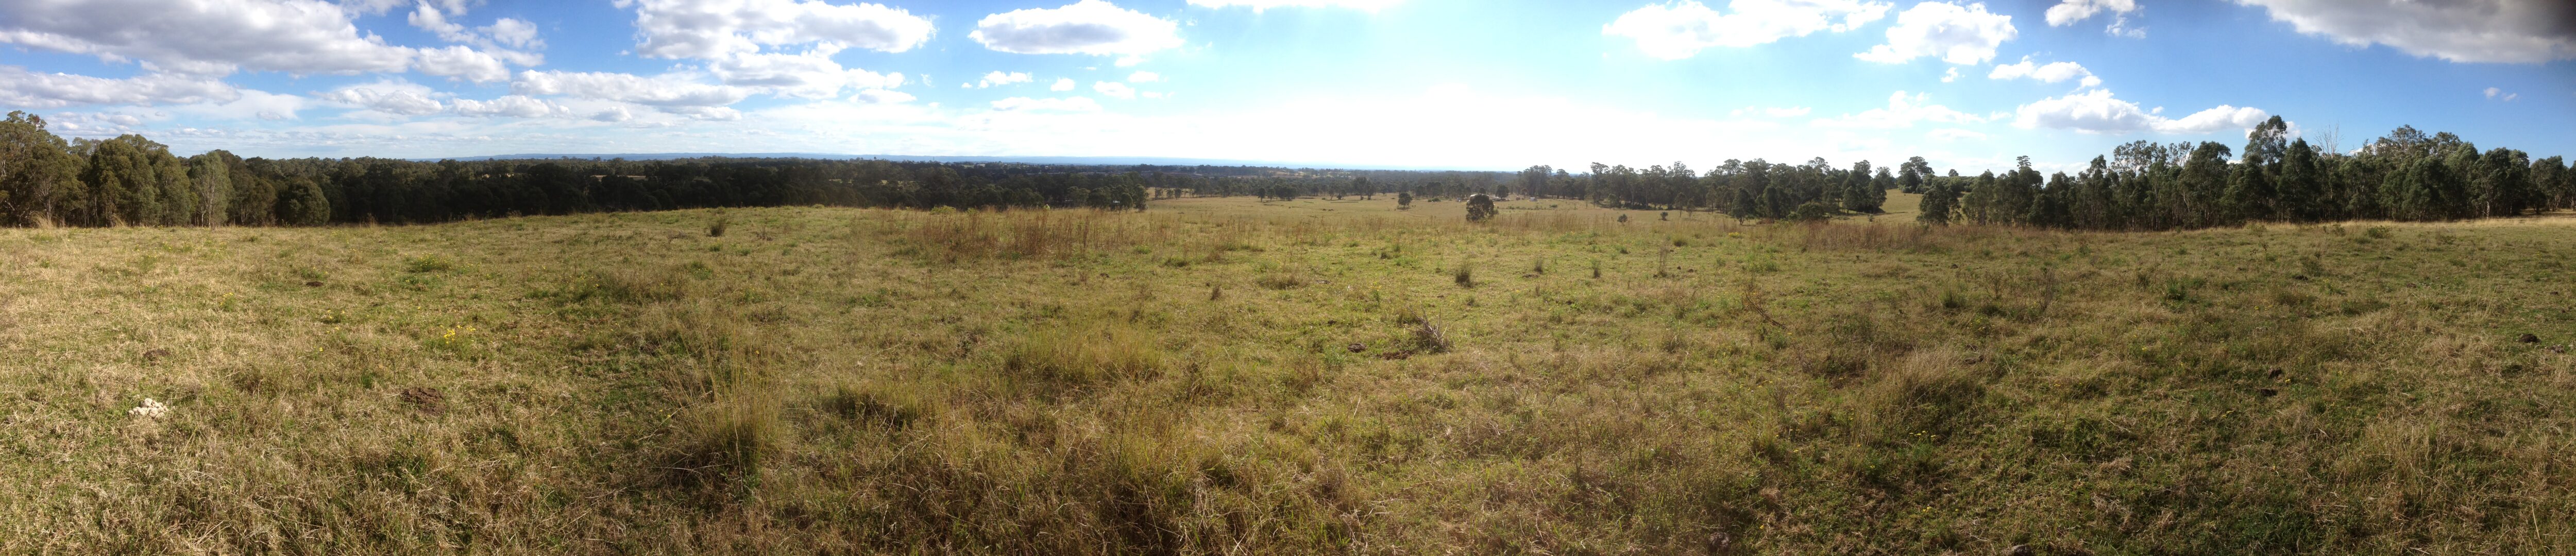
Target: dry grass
1220	376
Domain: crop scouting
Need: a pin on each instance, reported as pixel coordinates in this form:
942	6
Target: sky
1464	84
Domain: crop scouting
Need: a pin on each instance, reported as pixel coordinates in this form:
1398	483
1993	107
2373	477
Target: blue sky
1495	84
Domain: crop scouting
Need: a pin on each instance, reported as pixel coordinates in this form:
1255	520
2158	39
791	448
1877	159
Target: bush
1480	207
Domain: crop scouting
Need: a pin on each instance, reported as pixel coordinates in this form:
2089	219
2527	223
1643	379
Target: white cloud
1072	104
716	29
2051	73
613	114
880	96
22	88
429	18
1085	27
1114	89
390	97
999	78
2096	111
2499	94
811	75
1952	74
1958	35
668	90
2511	31
1680	30
1953	134
1790	112
2491	92
1902	111
1062	84
462	62
705	113
1144	77
211	37
514	32
2069	12
1259	5
522	106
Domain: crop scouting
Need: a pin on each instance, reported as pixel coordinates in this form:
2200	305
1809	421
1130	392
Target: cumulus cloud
512	32
1062	85
516	33
666	91
462	62
1680	30
2069	12
811	75
1144	77
2052	72
2509	31
713	29
209	37
1114	89
1902	111
22	88
1259	5
1071	104
1958	35
390	97
999	78
1085	27
2096	111
521	106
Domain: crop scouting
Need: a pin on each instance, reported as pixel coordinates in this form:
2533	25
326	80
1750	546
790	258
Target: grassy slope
1179	381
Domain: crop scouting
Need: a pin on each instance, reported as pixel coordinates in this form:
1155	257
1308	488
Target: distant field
1226	376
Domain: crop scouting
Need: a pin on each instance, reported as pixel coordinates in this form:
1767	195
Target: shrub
1480	207
717	228
1466	275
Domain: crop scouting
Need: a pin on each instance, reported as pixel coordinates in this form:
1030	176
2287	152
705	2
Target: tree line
131	180
2406	175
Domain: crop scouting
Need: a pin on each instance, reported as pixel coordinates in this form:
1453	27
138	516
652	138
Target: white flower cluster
151	409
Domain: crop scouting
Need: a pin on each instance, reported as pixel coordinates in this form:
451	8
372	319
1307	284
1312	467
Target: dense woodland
2407	175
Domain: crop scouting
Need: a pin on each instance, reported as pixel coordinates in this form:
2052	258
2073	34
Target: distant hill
1084	160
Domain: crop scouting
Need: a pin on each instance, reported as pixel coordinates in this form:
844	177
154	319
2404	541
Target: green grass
1309	376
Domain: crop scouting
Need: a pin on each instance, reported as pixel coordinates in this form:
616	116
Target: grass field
1314	376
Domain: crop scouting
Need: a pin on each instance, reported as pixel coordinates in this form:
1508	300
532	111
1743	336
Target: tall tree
38	172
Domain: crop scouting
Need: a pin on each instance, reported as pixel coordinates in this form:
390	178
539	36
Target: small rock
155	355
2022	550
1356	348
2530	339
428	400
313	284
151	409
